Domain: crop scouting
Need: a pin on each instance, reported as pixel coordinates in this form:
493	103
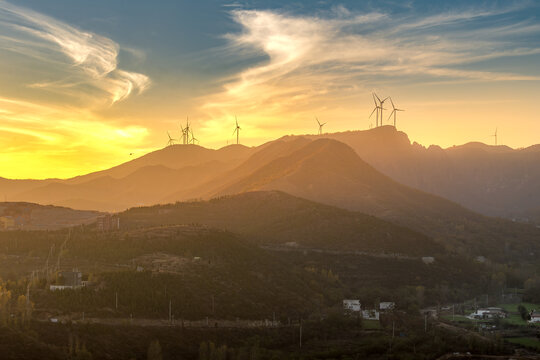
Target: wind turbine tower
183	134
394	112
237	131
381	102
320	126
495	136
193	138
171	140
187	130
376	109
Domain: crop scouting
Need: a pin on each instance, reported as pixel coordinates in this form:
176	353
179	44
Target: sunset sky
85	83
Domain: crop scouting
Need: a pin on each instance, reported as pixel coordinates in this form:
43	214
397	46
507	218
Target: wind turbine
187	130
171	140
375	109
394	111
381	105
320	125
183	134
237	131
495	136
193	138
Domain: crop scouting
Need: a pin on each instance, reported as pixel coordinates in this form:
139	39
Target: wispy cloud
305	62
79	57
59	79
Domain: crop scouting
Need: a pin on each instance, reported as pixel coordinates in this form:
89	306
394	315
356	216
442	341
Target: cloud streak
305	60
79	57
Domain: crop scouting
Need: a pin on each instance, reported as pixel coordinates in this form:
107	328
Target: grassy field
525	341
514	317
513	307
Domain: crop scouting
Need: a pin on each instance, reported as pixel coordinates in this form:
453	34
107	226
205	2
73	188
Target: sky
86	85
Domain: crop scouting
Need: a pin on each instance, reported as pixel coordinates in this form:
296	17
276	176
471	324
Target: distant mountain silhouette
330	172
174	157
351	170
492	180
142	181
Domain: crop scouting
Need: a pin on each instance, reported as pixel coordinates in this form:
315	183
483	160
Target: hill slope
278	218
28	216
142	181
492	180
330	172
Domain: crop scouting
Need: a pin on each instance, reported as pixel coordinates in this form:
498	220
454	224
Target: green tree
523	312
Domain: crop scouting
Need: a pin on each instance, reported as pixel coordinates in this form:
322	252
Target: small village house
351	305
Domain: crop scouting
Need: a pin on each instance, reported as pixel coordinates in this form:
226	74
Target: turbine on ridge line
187	130
394	111
320	125
171	140
237	131
193	138
495	136
183	134
381	106
375	109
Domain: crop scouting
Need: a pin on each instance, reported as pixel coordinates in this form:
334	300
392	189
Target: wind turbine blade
392	103
373	111
375	101
234	131
318	122
391	114
235	118
377	98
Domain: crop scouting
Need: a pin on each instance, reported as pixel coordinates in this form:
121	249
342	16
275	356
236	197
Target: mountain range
377	172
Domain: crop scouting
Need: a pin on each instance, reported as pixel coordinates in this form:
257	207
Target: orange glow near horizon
75	101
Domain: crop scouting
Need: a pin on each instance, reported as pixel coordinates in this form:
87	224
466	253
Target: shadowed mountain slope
278	218
28	216
330	172
142	187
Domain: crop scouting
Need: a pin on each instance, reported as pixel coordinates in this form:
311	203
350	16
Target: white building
351	305
535	317
488	313
387	306
370	314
